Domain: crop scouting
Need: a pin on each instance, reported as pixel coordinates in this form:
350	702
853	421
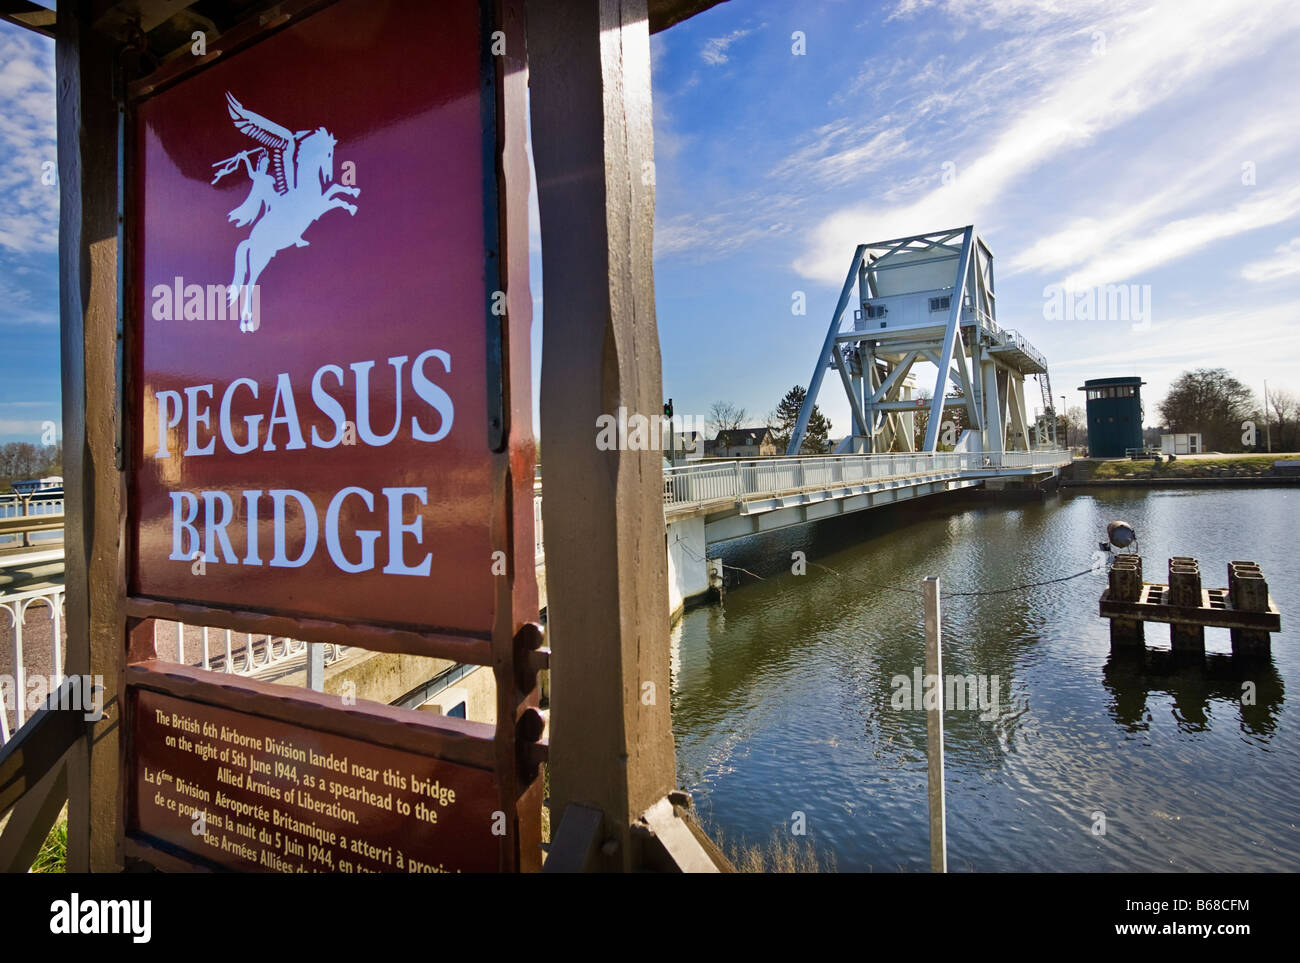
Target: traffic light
668	408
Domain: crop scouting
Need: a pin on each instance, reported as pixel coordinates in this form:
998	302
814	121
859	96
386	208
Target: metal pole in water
934	727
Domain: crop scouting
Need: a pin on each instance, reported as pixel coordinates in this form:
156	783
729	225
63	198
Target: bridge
713	502
704	504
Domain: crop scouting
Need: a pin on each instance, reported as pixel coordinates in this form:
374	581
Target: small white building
1182	444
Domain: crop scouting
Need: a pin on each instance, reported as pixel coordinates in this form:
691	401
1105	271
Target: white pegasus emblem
293	184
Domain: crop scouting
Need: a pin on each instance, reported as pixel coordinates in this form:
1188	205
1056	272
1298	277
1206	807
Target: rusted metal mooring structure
1244	607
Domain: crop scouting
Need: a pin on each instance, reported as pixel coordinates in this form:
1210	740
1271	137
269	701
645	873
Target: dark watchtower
1114	416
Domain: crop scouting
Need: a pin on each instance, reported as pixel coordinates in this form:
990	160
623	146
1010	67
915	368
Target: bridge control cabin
1114	416
929	299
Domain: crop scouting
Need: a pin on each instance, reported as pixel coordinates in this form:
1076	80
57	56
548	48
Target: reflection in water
1251	688
782	694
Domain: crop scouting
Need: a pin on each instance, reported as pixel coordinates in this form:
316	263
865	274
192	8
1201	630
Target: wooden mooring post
1244	607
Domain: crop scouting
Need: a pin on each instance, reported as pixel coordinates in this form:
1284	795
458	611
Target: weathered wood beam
666	13
28	15
88	268
607	580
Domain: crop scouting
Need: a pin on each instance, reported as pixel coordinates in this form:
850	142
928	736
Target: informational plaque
256	795
327	439
314	302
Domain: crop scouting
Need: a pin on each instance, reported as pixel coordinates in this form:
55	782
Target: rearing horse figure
302	175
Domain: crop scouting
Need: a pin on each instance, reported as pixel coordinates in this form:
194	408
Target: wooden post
1125	578
88	304
934	727
1248	592
1185	591
607	579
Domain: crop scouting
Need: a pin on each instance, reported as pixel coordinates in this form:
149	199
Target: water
782	695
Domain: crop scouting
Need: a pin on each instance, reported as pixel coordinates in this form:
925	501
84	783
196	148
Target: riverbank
1186	471
1139	481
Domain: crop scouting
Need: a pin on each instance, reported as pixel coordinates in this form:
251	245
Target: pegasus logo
292	177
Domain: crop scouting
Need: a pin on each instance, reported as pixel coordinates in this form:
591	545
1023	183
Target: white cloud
29	210
841	153
1286	263
1183	236
1150	56
715	48
12	426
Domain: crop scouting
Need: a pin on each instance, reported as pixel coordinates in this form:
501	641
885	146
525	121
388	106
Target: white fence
218	650
46	503
709	481
16	605
539	549
235	653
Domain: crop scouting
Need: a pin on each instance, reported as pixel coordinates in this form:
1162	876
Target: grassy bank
1247	466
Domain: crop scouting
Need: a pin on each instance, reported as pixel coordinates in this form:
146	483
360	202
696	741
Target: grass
53	855
1186	467
782	853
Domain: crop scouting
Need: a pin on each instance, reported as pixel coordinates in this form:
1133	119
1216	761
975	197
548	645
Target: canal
786	711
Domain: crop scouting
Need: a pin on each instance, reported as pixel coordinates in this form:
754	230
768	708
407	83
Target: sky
1091	143
29	231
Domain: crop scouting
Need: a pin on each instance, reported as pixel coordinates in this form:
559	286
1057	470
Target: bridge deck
742	486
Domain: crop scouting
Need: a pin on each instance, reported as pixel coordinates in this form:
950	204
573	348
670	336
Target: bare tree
1285	408
724	416
1209	401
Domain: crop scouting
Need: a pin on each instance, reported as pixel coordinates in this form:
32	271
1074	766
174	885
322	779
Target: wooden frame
98	346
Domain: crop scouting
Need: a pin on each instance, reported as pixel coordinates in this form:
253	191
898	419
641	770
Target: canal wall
1082	474
688	567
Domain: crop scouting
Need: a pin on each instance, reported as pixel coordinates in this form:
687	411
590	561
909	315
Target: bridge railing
13	506
711	481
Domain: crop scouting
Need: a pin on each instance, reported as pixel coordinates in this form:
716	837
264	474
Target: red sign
254	795
313	309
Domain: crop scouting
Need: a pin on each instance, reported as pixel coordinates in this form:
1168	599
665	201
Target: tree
724	416
1209	401
816	437
1286	408
1074	430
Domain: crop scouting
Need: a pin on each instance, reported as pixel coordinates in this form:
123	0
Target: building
31	486
744	443
1114	416
1182	444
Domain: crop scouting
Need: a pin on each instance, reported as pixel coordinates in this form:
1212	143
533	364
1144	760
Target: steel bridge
711	502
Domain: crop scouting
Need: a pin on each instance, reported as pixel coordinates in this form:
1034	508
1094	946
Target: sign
256	795
316	313
328	439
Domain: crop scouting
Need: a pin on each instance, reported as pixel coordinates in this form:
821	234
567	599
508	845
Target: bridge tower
926	298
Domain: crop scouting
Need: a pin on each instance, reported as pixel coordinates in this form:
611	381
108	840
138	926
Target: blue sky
1093	142
29	229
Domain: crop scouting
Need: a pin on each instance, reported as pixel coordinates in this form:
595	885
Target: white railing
1017	340
15	506
710	481
539	549
15	605
218	650
234	653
